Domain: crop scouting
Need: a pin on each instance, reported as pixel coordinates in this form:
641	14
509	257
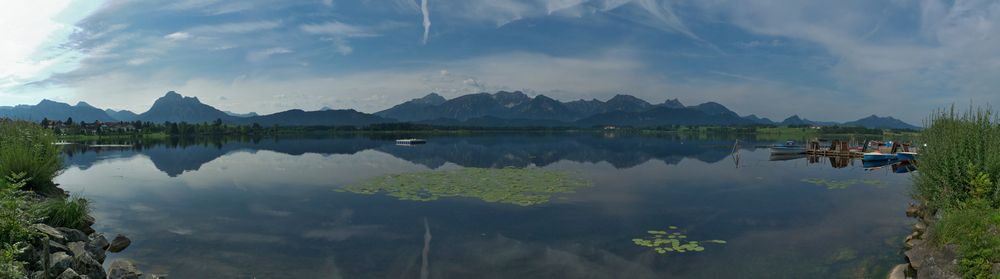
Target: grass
29	161
60	212
27	148
958	176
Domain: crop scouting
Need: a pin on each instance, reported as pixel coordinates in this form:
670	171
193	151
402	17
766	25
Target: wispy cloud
177	36
427	19
259	55
335	28
237	27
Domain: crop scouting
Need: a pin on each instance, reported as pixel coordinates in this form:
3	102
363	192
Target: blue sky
823	60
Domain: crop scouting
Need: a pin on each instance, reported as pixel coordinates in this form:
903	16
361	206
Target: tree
69	121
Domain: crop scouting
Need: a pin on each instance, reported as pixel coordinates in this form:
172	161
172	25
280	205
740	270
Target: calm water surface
271	209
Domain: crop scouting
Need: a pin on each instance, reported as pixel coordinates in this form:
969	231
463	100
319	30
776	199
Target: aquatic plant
843	184
672	241
520	186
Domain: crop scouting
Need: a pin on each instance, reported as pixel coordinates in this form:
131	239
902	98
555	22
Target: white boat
410	141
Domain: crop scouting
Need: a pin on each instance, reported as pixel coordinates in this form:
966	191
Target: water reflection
270	209
480	151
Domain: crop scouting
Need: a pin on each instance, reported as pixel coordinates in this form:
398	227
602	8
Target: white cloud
138	61
263	54
27	26
328	3
424	10
335	28
177	36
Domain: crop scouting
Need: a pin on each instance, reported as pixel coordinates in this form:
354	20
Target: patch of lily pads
673	240
833	184
519	186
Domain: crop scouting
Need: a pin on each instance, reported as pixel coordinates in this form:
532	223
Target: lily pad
670	241
520	186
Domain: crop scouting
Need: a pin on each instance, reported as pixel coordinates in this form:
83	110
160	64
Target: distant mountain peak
430	99
83	104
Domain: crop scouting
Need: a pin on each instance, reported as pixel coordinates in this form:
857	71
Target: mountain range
500	109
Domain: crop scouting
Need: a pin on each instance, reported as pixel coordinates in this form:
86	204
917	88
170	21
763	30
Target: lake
276	208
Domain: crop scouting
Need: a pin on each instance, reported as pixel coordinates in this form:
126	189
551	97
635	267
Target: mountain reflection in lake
270	208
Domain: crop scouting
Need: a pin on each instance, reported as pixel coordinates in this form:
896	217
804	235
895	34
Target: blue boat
876	164
878	156
907	156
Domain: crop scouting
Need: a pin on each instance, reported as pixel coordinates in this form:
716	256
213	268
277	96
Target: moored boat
878	156
789	148
906	156
410	141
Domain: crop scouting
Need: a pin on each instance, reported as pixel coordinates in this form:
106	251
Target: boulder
933	262
51	232
77	248
898	272
97	246
123	269
88	266
72	235
69	274
57	247
119	243
59	261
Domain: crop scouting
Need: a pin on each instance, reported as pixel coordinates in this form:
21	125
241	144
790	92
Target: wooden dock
837	148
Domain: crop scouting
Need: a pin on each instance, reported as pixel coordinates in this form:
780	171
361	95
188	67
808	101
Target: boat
870	165
789	148
878	156
904	167
906	156
410	141
786	157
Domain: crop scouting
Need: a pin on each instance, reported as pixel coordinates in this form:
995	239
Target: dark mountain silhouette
662	116
122	115
297	117
176	108
499	109
672	103
56	111
713	108
755	119
876	122
627	103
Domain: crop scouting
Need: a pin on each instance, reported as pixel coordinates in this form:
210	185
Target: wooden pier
837	148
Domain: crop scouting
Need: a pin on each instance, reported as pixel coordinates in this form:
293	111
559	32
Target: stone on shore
51	232
60	261
88	266
97	246
72	235
898	272
68	274
933	262
119	243
123	269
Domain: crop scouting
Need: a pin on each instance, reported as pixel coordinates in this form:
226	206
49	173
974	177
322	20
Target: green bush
958	175
60	212
26	147
960	148
16	219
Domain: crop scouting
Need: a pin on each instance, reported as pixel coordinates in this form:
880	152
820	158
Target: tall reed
26	147
961	147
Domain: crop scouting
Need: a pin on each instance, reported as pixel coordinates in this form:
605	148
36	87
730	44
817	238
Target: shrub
60	212
961	148
15	225
27	148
